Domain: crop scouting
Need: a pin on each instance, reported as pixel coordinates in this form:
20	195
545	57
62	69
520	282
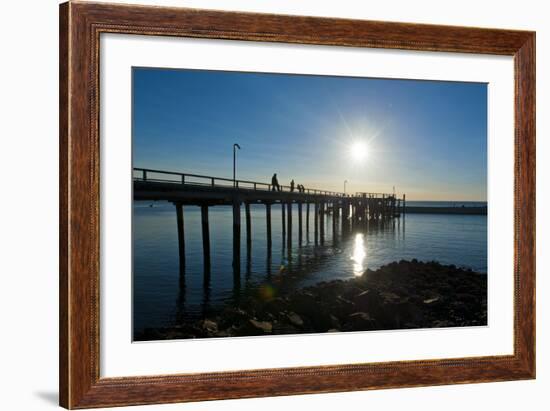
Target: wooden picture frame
80	27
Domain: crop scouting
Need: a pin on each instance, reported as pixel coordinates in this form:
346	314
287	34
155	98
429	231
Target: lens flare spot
267	292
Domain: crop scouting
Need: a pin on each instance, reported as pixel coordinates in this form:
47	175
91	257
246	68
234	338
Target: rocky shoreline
400	295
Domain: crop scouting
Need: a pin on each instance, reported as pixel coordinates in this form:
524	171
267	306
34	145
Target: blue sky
426	138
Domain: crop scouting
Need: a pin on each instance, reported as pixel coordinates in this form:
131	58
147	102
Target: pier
183	189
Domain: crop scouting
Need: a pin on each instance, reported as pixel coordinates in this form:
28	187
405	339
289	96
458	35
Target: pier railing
145	174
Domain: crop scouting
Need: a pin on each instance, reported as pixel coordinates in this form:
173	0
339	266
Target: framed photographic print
256	205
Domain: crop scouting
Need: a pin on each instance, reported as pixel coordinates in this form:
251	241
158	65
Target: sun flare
359	151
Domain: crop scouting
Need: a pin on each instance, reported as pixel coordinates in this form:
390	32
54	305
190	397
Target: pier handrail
183	178
374	195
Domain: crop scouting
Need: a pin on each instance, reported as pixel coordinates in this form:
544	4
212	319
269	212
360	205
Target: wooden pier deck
184	189
196	189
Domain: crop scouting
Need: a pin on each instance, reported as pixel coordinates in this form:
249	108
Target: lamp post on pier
235	147
345	182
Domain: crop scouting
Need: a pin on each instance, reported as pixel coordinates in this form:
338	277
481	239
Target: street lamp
345	182
235	147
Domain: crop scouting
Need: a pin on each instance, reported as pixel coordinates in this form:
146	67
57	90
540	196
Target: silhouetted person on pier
292	186
275	183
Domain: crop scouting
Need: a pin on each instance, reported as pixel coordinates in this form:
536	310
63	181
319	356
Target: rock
232	316
335	321
265	326
345	300
390	298
431	300
351	292
361	315
210	326
284	328
295	319
303	304
308	294
442	323
369	301
360	321
402	313
275	305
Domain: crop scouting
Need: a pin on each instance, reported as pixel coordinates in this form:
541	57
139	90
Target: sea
165	293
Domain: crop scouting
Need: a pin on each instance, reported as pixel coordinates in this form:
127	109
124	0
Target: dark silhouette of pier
206	191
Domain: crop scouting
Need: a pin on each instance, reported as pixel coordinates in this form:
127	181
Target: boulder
264	326
295	319
369	301
210	326
360	321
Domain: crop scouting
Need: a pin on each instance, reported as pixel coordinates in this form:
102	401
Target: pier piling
299	223
236	235
334	216
268	225
283	219
316	222
248	228
181	237
307	220
322	222
289	220
205	237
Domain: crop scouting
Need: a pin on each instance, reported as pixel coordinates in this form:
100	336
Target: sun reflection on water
359	255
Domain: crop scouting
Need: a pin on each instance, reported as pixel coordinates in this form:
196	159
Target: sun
359	151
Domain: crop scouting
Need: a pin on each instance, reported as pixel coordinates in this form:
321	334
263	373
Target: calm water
161	298
447	203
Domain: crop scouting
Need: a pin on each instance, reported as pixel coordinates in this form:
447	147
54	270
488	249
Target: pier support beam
334	217
322	222
289	220
307	221
283	219
345	217
316	222
236	235
205	238
345	211
299	224
181	237
369	209
248	229
268	226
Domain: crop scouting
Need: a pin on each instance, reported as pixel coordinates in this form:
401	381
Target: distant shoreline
446	210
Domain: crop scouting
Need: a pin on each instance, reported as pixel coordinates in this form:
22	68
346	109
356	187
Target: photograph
281	203
275	205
